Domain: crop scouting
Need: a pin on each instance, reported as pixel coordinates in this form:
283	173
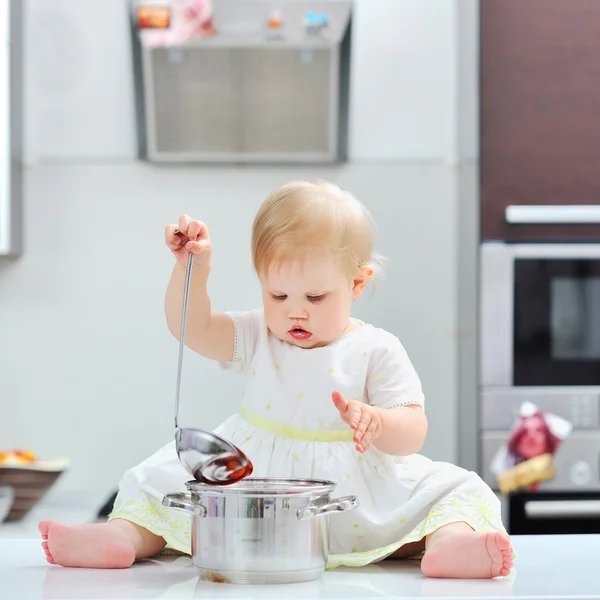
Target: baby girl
326	396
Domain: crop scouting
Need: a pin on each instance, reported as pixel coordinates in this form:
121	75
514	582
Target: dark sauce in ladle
224	470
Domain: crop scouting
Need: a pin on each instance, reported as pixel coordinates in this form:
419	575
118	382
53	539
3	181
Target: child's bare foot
98	545
463	553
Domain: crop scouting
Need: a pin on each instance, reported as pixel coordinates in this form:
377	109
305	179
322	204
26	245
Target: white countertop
570	570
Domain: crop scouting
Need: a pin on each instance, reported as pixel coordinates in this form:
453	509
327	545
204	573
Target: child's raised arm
208	333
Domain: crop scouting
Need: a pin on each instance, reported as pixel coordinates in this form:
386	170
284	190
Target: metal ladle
205	456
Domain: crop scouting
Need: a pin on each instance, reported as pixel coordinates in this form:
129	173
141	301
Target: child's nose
298	311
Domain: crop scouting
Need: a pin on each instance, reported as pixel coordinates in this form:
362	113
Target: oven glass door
556	322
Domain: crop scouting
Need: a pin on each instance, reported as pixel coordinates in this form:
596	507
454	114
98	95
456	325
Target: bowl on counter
30	480
7	496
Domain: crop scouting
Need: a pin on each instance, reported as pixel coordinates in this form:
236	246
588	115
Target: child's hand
189	236
364	419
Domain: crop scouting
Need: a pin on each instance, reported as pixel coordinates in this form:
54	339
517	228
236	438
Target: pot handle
336	505
182	502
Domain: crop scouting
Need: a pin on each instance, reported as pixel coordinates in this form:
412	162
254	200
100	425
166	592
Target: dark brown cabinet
540	114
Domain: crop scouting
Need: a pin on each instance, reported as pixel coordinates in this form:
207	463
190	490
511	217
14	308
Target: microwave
540	315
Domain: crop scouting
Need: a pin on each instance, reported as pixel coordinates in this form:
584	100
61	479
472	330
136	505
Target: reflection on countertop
25	574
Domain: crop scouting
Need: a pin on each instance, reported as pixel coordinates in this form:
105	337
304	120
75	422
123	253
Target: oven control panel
579	406
577	461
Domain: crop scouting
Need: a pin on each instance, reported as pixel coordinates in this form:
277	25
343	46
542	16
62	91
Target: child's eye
316	298
278	298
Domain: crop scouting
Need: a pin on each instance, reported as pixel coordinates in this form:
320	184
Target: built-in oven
540	342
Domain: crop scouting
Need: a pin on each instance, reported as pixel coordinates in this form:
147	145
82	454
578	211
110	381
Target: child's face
307	303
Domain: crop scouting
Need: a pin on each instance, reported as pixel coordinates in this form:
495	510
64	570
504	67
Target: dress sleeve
248	327
391	379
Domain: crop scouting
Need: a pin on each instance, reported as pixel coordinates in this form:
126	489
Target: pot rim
264	486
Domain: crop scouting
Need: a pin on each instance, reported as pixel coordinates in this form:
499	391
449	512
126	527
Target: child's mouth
300	334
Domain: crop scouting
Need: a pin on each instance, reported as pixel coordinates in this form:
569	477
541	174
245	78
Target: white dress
289	427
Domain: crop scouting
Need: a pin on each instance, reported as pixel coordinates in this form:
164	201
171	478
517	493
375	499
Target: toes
43	527
500	551
48	554
46	550
507	562
502	541
504	572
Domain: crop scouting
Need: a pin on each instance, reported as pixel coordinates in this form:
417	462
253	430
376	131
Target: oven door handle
548	215
562	509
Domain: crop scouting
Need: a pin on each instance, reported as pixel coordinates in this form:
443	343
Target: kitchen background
87	365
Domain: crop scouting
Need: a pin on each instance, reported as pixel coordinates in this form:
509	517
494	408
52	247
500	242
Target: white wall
403	80
79	87
467	217
82	333
466	81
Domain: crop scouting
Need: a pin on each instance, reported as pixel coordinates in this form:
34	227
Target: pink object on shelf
188	19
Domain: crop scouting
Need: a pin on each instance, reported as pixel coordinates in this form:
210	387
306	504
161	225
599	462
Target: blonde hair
304	218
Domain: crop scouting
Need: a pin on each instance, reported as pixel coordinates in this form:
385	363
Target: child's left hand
364	419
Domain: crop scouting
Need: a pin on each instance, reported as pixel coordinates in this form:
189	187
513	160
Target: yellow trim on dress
295	433
480	518
174	527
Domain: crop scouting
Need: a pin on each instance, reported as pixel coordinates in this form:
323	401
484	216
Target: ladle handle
186	290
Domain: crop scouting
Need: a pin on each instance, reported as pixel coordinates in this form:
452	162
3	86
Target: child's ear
360	282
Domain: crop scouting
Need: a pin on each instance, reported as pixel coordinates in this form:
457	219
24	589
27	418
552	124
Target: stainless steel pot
261	530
